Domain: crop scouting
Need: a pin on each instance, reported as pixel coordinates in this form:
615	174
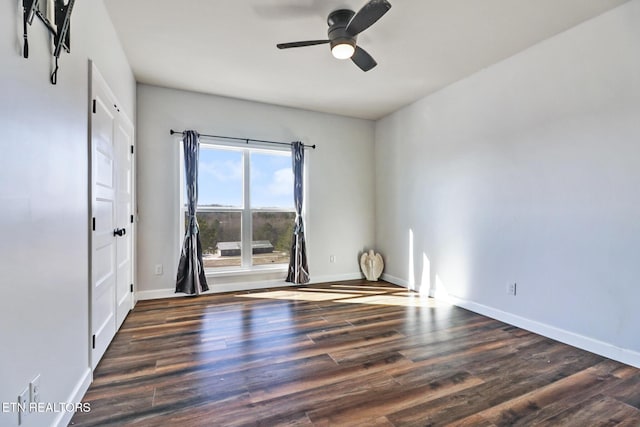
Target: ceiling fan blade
363	60
301	44
367	16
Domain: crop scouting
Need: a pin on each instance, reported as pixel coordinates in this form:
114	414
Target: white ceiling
228	47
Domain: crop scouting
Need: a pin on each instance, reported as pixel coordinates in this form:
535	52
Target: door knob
119	232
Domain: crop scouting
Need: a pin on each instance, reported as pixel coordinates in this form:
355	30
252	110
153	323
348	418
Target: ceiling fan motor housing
338	21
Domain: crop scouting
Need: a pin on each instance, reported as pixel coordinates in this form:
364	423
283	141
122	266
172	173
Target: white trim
213	289
241	145
64	417
254	271
335	278
181	207
582	342
247	286
246	217
157	294
395	280
592	345
243	286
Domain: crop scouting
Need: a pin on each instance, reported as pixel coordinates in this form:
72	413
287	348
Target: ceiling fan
344	27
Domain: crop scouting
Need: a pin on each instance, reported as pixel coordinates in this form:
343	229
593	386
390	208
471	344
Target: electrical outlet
34	390
511	289
332	258
158	269
23	405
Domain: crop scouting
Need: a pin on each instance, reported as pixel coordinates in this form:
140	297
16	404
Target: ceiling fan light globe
343	51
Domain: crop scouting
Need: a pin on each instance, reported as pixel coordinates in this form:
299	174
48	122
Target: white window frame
245	210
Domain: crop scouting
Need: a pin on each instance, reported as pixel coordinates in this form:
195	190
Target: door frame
93	71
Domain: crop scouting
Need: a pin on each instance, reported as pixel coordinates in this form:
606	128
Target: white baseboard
242	286
76	396
156	294
213	289
335	278
592	345
395	280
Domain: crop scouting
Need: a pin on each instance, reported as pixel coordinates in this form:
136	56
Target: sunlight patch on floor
297	295
377	288
351	296
346	291
415	301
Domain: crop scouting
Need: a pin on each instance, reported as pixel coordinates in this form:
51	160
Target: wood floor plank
391	400
526	409
627	391
350	353
597	411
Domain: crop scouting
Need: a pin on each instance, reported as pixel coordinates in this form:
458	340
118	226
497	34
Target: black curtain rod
247	140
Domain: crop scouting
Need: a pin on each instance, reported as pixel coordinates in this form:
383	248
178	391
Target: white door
103	206
112	225
123	139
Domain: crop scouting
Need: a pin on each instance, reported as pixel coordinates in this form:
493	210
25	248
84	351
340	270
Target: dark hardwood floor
350	353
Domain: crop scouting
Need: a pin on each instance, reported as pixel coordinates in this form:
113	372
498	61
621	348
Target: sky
220	178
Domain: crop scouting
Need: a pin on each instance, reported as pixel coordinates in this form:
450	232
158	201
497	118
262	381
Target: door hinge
94	223
93	339
131	219
132	149
93	108
132	287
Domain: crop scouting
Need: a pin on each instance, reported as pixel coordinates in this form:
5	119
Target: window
245	206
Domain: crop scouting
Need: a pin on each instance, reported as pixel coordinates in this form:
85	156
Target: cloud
281	183
222	171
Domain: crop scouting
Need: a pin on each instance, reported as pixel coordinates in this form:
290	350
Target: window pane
219	177
272	233
220	235
271	180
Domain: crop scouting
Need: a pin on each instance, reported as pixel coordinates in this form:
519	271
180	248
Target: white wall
44	287
527	172
340	198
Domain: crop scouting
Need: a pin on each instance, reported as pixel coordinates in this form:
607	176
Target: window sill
281	268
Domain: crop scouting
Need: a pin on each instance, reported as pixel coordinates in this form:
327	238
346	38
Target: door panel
124	251
103	251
